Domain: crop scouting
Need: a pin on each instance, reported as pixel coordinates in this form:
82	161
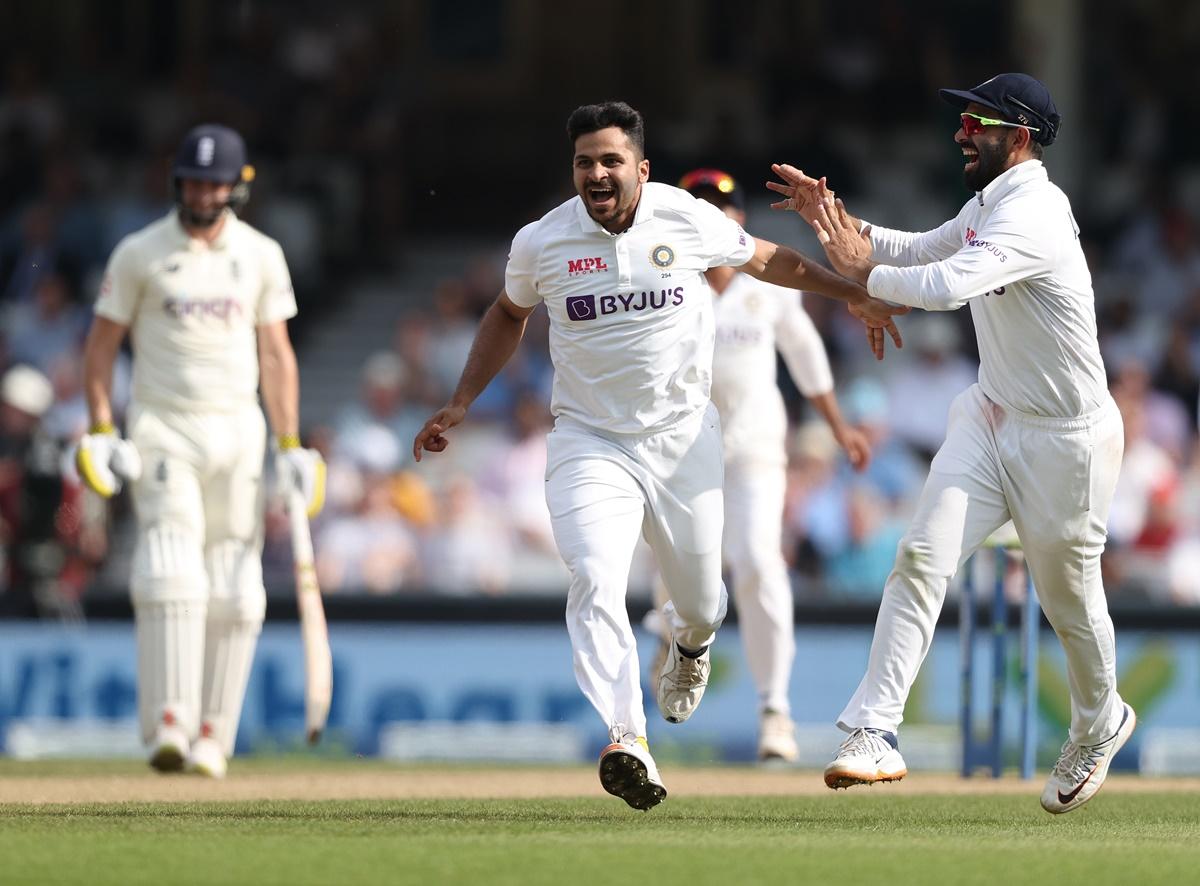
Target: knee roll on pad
235	581
168	565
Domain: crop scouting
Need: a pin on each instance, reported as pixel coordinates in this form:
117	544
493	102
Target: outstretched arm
499	333
787	267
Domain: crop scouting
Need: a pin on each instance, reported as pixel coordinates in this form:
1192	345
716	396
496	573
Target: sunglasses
973	124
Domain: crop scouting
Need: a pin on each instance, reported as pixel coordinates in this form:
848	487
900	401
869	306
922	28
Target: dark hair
1037	149
592	118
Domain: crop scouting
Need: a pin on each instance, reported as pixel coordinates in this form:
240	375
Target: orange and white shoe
627	771
1082	768
866	757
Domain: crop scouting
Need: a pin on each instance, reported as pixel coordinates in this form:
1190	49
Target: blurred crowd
359	151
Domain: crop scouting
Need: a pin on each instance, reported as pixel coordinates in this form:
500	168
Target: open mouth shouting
602	197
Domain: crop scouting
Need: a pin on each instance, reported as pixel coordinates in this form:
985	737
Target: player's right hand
430	437
105	461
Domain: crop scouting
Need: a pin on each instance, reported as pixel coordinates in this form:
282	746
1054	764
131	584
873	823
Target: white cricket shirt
631	318
1013	251
192	310
753	320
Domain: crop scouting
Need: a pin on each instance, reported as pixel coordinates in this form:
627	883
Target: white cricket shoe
207	758
170	748
681	683
865	758
627	771
777	738
1082	768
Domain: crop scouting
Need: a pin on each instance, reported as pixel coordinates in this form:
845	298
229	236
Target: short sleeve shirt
631	316
193	309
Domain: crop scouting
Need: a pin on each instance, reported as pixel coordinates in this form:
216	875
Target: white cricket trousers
1055	479
602	490
196	579
753	549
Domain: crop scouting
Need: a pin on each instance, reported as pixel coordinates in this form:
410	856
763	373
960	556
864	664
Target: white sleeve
1014	244
798	341
722	240
521	283
121	288
277	300
904	249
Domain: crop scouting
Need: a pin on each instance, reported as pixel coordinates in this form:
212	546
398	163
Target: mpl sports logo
577	267
972	240
589	307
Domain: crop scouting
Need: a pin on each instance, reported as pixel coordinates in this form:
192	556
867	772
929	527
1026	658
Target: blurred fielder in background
753	319
206	299
636	446
1037	440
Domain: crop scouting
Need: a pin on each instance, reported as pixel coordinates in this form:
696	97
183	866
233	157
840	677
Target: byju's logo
577	266
588	307
581	307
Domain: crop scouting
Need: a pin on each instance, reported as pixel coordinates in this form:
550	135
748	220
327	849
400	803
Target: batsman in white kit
754	320
205	299
1037	440
636	444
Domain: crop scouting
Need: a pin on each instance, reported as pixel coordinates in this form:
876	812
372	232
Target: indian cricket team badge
662	256
753	303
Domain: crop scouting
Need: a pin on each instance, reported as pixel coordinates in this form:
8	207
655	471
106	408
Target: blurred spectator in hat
382	403
920	391
39	523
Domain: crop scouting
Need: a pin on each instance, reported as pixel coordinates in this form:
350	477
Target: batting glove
105	461
297	468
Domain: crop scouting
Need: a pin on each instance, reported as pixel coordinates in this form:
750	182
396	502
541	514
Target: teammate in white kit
206	299
636	445
753	319
1038	440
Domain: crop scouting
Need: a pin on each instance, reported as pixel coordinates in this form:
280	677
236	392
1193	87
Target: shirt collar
1026	171
185	241
644	211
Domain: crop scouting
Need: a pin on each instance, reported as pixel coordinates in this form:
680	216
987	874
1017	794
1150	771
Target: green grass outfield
883	835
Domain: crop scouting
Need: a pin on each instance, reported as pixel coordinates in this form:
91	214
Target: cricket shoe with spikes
207	758
865	757
170	747
627	770
681	683
1082	768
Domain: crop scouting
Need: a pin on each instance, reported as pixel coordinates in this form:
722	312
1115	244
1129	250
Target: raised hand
848	251
802	193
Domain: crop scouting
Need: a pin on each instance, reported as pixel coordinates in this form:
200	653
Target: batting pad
170	649
228	655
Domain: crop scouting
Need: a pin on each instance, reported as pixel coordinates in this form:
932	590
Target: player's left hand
856	446
302	469
802	193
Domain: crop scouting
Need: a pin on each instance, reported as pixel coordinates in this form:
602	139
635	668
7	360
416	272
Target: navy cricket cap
1017	98
719	188
211	153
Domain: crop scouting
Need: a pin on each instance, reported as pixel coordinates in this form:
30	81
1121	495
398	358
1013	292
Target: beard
992	156
194	219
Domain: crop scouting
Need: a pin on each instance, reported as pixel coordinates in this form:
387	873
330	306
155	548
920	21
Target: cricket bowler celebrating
636	445
205	299
1038	440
